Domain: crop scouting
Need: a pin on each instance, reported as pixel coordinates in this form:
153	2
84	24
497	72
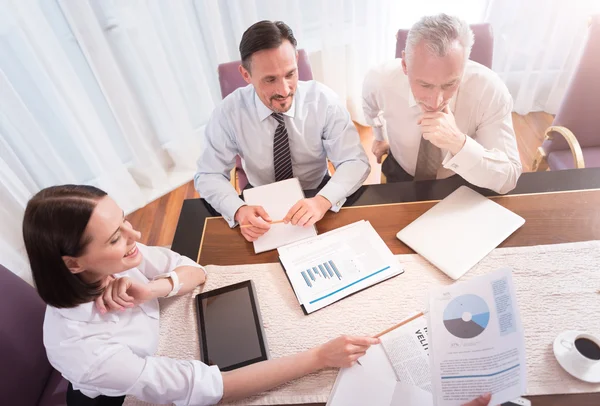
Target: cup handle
567	344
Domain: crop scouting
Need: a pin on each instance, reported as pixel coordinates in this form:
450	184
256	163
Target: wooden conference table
561	206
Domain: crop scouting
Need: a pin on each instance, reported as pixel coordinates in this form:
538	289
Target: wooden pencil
272	222
399	324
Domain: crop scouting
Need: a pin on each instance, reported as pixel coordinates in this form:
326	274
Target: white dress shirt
482	109
318	126
113	354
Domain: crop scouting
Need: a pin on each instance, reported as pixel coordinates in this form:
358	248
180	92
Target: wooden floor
157	220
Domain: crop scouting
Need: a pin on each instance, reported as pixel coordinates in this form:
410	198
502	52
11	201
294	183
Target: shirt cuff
470	155
335	194
378	133
230	207
208	385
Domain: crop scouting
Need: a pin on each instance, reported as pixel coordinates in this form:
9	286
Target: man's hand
482	400
379	149
257	217
440	128
307	211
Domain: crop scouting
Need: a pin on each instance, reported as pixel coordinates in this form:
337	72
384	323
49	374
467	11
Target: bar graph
306	279
318	274
335	270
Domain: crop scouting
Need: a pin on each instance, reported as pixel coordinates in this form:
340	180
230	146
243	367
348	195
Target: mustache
280	97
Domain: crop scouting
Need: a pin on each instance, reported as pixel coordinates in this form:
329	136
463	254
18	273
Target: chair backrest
483	47
230	78
24	366
578	109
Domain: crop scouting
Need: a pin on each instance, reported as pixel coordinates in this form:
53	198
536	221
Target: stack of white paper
478	345
475	345
394	373
331	266
277	199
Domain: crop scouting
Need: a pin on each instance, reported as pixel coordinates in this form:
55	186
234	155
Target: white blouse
113	354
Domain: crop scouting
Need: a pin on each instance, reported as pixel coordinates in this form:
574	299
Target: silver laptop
460	231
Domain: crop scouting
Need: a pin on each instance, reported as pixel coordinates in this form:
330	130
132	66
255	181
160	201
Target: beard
275	100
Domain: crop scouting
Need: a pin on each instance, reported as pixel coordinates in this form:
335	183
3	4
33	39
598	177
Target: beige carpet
557	289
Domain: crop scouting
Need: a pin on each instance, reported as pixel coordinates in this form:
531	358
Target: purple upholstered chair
230	79
26	376
578	145
483	47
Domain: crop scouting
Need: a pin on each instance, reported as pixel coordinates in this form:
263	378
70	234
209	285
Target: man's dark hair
264	35
54	225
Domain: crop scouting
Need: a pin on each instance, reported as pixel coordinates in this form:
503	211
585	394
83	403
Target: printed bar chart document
333	265
277	199
477	340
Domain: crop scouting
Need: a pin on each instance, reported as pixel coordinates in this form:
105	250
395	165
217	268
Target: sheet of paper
477	341
333	265
277	199
371	383
374	382
407	348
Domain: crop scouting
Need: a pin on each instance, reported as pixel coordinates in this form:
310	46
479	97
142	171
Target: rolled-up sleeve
117	371
344	150
213	175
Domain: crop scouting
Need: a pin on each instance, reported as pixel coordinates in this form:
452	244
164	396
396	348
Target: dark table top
194	211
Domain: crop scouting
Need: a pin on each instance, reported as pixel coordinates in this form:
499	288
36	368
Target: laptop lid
459	231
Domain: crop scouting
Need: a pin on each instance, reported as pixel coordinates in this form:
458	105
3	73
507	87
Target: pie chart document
477	341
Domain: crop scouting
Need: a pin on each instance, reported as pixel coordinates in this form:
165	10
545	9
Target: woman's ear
73	264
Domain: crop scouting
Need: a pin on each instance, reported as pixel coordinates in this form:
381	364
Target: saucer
566	360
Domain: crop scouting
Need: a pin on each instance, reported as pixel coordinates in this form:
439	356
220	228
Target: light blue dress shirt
318	126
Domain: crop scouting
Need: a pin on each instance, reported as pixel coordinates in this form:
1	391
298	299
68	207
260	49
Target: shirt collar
88	313
264	111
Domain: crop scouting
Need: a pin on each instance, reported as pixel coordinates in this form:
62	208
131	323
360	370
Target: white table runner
557	289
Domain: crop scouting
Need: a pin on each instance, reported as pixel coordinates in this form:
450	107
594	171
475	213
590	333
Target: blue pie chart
466	316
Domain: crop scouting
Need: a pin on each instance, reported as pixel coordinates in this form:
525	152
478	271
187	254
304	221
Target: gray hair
439	33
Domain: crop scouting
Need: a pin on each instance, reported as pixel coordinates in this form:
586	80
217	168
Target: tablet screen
230	330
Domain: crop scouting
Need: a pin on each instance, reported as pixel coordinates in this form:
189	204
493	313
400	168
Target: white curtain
537	44
108	93
116	93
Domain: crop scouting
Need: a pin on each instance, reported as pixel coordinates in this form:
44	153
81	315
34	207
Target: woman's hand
344	351
122	293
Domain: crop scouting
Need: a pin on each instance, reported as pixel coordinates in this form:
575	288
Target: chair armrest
571	140
233	179
383	178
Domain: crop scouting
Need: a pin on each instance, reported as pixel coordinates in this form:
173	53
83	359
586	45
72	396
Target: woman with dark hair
101	323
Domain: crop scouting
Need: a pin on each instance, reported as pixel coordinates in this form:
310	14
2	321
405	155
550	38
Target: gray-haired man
437	113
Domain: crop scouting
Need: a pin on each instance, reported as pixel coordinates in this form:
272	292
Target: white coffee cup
583	351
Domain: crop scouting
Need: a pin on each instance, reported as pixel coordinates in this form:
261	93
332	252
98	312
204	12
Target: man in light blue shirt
281	128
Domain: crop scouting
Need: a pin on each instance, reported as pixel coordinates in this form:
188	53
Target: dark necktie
282	159
429	160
